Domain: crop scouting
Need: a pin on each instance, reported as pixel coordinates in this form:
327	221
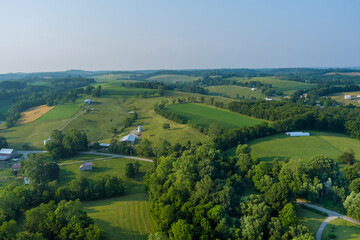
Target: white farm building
348	97
87	101
129	138
297	134
6	154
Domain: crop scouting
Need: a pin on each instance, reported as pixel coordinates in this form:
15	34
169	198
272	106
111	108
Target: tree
347	157
129	170
278	195
251	228
144	148
212	100
3	142
166	125
355	185
287	215
244	149
352	205
202	99
322	167
161	91
350	173
114	130
275	229
181	230
214	130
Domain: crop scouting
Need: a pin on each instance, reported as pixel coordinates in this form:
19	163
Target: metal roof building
6	154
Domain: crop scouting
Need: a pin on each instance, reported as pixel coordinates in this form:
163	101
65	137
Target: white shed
297	134
348	97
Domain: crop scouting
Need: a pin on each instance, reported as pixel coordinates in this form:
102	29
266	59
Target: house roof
128	138
15	166
87	163
7	151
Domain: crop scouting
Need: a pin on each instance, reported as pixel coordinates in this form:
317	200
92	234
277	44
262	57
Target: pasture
126	217
285	86
340	97
63	111
310	219
172	78
233	91
319	143
342	230
34	113
205	115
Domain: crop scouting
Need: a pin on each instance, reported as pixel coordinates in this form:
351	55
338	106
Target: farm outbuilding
104	145
139	129
129	138
348	97
269	99
87	166
6	154
15	167
87	101
297	134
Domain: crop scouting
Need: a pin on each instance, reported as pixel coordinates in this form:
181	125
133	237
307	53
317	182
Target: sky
177	34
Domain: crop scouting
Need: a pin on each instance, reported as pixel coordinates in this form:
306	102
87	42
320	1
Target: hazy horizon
43	36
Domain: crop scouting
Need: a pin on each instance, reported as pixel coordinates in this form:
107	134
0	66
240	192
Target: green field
205	115
232	91
319	143
126	217
173	78
114	89
111	166
342	229
61	112
285	86
340	97
310	219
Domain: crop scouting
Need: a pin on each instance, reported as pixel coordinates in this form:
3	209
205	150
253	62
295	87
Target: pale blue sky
168	34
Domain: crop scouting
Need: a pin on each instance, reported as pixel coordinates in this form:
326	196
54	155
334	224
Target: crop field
319	143
285	86
61	112
339	97
173	78
126	217
115	89
205	115
232	91
310	219
34	113
342	230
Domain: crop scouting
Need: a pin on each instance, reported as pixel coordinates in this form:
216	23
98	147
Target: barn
87	166
297	134
6	154
129	138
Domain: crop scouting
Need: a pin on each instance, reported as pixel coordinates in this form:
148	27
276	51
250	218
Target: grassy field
309	219
34	113
111	166
232	91
126	217
205	115
342	230
60	112
173	78
285	86
319	143
339	97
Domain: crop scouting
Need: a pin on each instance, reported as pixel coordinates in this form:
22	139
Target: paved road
332	215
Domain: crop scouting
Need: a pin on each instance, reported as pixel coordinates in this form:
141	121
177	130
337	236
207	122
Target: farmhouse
87	101
129	138
15	167
297	134
6	154
87	166
348	97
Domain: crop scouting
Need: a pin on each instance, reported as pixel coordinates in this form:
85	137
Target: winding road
331	216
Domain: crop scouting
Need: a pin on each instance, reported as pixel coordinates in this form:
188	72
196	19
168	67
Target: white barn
6	154
269	99
297	134
348	97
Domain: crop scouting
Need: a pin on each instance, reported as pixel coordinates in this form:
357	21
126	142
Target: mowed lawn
310	219
232	91
126	217
342	230
173	78
205	115
319	143
102	166
285	86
